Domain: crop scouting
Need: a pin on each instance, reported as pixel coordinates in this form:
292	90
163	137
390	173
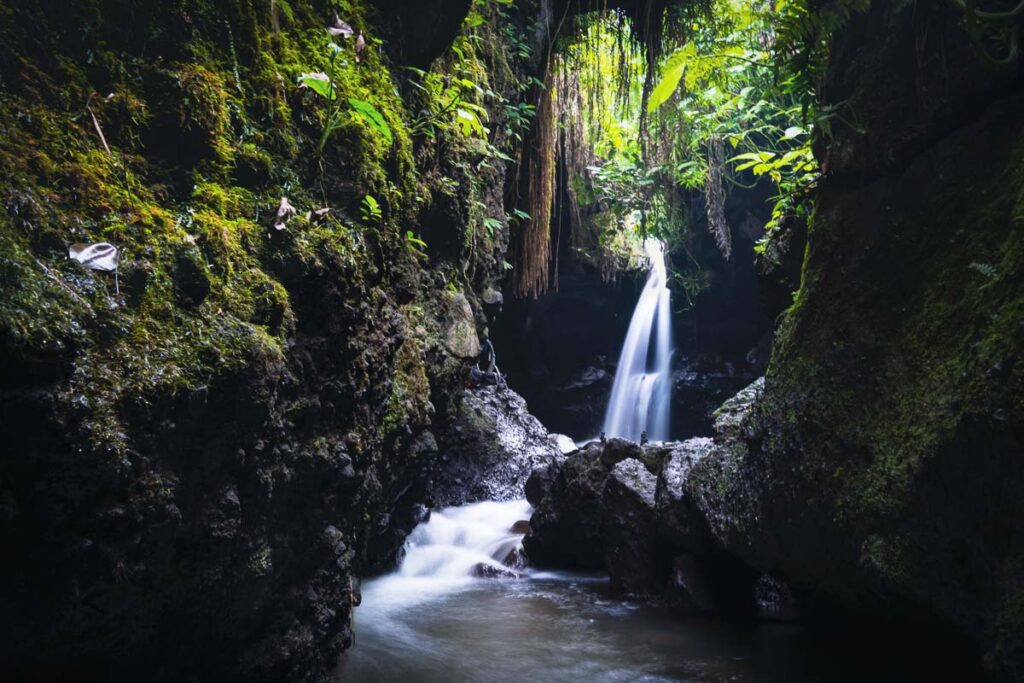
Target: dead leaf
337	27
284	212
360	46
318	216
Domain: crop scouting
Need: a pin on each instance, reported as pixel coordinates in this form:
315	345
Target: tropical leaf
671	74
319	83
369	113
469	122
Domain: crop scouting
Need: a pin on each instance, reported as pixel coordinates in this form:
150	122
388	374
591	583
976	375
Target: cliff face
201	450
882	467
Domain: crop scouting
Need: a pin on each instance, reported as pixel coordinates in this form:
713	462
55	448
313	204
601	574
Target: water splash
643	384
443	553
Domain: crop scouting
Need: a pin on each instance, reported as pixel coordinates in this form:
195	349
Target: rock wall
203	449
881	469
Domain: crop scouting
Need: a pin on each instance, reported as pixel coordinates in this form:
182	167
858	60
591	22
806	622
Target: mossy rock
460	335
190	275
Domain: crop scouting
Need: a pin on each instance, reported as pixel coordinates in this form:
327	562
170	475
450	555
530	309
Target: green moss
203	109
409	399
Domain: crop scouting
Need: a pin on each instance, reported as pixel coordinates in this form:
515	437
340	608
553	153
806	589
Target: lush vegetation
728	106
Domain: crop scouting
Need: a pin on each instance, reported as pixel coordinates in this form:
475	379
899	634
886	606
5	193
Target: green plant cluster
181	162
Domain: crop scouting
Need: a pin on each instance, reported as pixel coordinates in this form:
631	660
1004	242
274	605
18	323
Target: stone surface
566	527
491	444
629	532
679	523
880	470
460	328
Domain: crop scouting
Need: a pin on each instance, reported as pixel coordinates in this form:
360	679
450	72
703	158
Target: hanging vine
994	29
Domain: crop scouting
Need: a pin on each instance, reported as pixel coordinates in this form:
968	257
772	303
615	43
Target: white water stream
443	553
643	382
433	621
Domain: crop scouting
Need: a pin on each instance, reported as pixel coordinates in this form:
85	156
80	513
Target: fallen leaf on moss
338	27
360	46
318	216
284	212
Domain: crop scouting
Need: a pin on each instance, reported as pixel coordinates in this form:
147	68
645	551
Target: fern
985	269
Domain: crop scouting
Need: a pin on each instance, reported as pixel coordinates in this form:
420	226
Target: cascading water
434	620
643	383
444	553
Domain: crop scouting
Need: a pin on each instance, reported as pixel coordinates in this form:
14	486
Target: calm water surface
432	621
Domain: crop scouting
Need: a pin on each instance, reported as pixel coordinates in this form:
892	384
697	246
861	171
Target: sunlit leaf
671	74
372	116
319	83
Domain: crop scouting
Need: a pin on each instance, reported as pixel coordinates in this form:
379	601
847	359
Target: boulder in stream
488	448
629	530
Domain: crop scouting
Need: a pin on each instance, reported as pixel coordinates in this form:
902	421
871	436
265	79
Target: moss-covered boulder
203	448
881	470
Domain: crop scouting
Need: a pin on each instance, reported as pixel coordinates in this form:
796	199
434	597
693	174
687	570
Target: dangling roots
532	246
714	194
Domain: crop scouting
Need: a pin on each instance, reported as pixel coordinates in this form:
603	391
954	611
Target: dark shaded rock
880	471
699	387
191	276
490	446
775	600
419	32
516	559
520	527
559	350
566	527
778	266
540	482
629	533
688	585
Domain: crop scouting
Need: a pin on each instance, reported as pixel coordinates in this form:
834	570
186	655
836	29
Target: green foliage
369	113
325	85
369	210
726	84
415	243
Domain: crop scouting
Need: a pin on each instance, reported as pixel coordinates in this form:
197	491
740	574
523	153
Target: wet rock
729	418
689	585
520	527
490	571
775	600
566	527
489	448
628	526
540	482
678	522
516	559
564	443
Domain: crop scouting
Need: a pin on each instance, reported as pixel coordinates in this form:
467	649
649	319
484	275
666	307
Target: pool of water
555	628
434	621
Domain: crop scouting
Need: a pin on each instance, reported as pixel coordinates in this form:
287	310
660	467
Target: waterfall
445	554
643	384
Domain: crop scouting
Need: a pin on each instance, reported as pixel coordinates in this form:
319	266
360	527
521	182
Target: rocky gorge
284	376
